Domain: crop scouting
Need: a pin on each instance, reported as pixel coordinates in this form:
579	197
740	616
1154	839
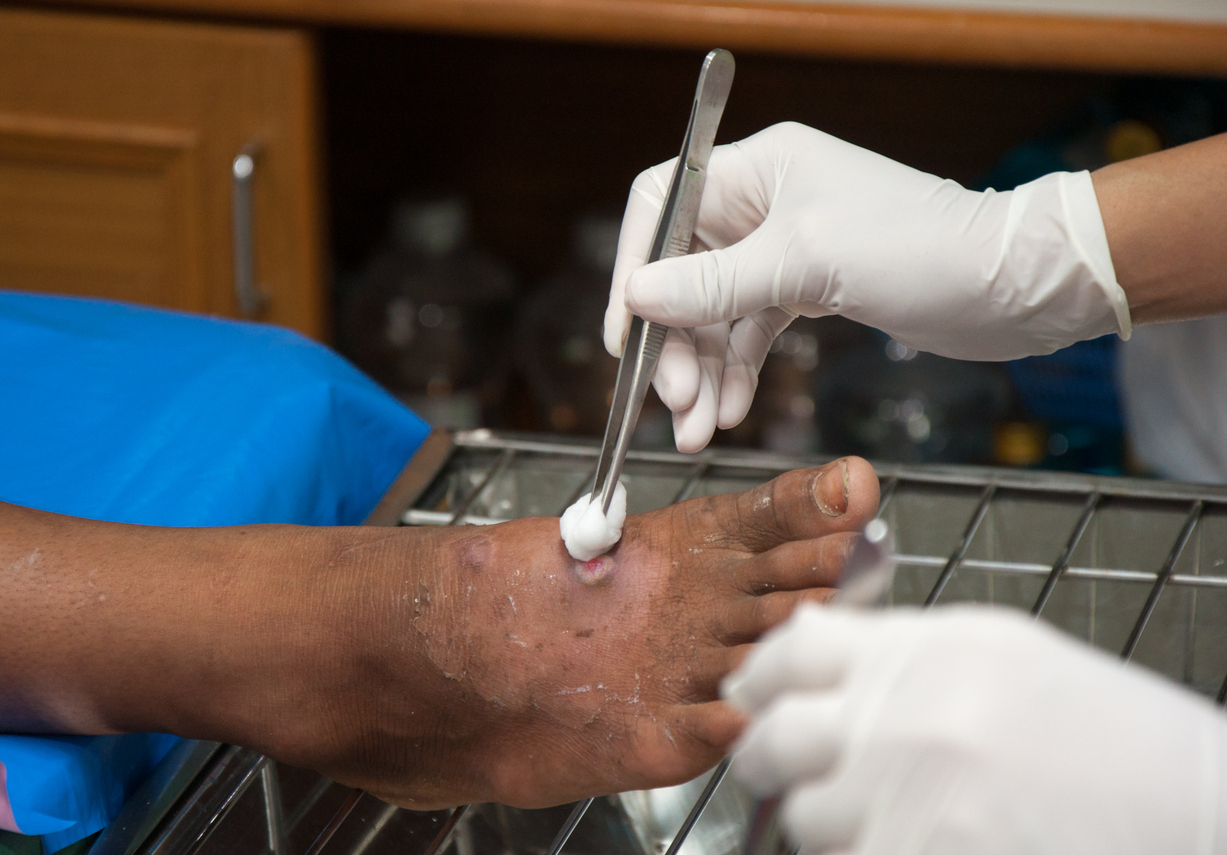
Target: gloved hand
974	731
794	221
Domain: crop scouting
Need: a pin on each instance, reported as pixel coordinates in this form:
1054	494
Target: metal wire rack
1133	566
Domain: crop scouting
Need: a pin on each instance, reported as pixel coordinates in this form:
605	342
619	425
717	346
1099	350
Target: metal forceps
673	233
867	578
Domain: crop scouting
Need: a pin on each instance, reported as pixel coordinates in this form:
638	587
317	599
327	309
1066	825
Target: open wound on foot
594	571
587	532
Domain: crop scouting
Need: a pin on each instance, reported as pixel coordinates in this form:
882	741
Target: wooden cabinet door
117	145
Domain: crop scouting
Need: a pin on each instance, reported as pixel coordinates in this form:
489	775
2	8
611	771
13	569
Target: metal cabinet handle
250	296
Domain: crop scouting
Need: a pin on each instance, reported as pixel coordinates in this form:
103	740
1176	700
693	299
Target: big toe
807	503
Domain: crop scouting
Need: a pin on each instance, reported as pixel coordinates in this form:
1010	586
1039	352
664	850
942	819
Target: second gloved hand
794	221
973	731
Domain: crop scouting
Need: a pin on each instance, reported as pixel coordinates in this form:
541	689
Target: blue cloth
123	413
67	787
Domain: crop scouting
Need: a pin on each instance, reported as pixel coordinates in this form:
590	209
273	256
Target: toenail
831	490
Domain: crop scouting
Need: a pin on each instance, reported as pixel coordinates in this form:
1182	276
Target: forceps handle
868	575
674	231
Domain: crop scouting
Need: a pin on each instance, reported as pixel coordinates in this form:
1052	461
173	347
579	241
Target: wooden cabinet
1173	36
117	143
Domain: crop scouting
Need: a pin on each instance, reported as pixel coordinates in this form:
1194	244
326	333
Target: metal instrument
673	234
870	569
866	582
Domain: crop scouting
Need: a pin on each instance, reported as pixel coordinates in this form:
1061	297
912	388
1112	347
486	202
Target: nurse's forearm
1165	215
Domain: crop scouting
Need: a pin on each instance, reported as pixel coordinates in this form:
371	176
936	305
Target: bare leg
431	666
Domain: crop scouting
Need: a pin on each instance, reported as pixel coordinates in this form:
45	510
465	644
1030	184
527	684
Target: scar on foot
475	553
595	571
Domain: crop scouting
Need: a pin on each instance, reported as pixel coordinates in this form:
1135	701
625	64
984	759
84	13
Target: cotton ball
586	531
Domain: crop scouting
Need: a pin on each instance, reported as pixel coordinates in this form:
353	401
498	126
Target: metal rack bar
695	475
1062	563
445	833
211	800
342	814
500	466
934	474
585	486
1165	573
713	782
692	480
413	516
1090	574
986	498
564	833
274	817
381	819
160	797
889	487
309	801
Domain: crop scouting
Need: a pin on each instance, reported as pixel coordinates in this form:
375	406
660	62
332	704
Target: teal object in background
129	414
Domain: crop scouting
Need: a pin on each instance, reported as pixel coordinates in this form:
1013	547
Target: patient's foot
497	668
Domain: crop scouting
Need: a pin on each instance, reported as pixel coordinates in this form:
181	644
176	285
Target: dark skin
432	666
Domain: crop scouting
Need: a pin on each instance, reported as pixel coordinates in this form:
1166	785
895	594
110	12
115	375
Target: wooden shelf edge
794	28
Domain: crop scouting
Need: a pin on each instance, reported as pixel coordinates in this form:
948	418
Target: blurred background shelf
1184	36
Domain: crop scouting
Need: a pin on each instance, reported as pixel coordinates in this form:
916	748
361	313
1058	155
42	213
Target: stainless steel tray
1133	566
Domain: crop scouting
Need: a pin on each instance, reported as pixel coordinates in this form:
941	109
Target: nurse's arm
1165	215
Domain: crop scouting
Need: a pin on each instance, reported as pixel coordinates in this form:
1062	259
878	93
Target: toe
746	620
796	565
712	727
680	742
805	504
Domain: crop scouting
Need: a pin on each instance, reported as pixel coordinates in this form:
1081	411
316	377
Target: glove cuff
1055	270
1087	235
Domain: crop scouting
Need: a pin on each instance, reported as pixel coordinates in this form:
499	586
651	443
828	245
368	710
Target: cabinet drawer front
117	138
94	209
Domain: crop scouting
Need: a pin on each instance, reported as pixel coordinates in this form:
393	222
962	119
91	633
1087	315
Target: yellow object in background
1019	443
1130	138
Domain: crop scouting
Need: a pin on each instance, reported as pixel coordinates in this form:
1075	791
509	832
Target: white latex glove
970	730
794	221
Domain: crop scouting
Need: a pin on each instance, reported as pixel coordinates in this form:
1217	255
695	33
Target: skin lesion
594	572
582	678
